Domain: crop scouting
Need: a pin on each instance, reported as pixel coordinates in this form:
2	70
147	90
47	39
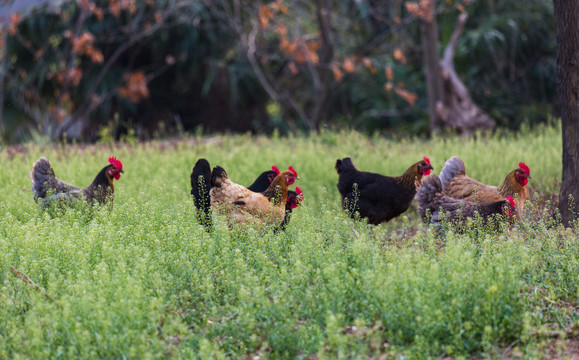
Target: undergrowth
145	280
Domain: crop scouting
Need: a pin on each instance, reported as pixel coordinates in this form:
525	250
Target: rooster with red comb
458	185
49	189
378	197
437	208
214	190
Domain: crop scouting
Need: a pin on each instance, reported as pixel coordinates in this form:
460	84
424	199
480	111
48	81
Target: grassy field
146	281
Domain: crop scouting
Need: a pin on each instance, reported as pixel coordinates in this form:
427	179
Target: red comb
525	168
427	160
300	194
276	169
291	169
116	162
511	201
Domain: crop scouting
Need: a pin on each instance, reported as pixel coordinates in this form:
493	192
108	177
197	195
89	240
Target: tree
449	101
567	19
71	60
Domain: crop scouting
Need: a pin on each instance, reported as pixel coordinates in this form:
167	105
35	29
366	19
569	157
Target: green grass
146	281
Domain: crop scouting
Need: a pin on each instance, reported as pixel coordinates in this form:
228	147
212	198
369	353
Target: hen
48	189
457	184
201	185
294	198
377	197
244	206
435	206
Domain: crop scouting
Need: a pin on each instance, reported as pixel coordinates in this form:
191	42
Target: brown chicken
457	184
243	206
201	185
49	189
377	197
436	207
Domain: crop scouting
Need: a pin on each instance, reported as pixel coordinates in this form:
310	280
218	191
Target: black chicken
377	197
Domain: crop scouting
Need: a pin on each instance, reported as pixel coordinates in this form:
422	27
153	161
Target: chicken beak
121	171
430	167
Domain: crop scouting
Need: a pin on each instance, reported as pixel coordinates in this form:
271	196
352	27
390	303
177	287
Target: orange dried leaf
264	15
338	74
308	53
409	97
368	64
293	68
135	87
38	54
313	45
281	29
399	55
115	8
388	86
73	76
389	73
413	8
349	65
287	47
15	19
96	56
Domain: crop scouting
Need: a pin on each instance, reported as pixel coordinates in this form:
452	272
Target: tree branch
28	281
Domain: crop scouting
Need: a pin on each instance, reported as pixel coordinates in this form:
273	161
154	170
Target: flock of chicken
269	202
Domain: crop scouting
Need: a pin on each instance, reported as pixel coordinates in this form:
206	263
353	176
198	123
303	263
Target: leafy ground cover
146	281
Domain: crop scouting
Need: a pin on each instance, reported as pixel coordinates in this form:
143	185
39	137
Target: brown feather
244	206
458	185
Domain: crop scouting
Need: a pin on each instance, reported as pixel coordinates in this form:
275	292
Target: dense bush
155	67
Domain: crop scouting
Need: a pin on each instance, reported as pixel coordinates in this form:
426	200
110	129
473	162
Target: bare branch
28	281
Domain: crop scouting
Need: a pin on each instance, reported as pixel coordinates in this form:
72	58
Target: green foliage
195	58
145	280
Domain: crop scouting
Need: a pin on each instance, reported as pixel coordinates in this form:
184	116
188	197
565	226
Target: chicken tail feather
200	186
453	167
41	176
217	176
427	195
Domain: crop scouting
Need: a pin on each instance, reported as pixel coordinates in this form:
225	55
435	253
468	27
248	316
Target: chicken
201	185
48	189
244	206
456	184
435	206
377	197
264	179
294	198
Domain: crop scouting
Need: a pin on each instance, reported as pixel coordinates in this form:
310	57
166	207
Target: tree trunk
3	69
433	75
567	19
456	110
449	103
